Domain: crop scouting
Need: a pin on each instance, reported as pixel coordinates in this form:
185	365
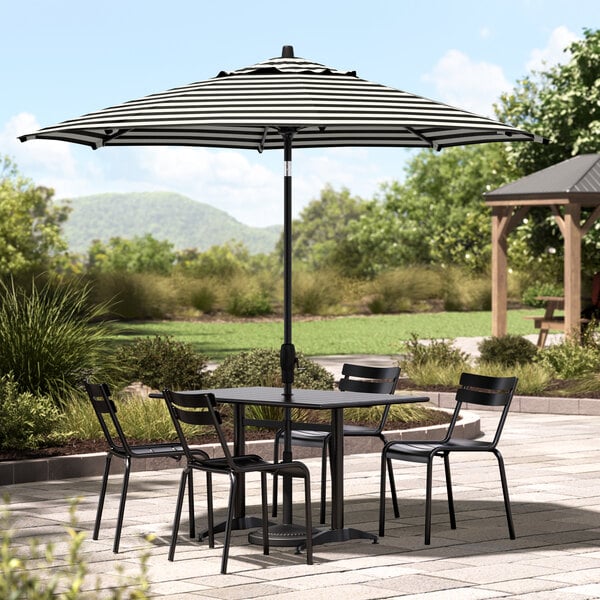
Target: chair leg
393	489
228	526
511	528
265	512
449	491
122	505
428	501
275	481
324	456
102	496
177	517
209	508
385	465
191	504
308	520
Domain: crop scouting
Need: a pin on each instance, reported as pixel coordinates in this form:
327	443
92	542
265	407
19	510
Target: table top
315	399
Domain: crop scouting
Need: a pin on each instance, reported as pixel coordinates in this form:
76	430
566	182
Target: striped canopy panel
249	108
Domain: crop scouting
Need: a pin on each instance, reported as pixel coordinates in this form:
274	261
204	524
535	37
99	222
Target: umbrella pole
288	352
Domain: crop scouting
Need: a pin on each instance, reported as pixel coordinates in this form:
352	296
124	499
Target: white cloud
466	84
50	157
554	53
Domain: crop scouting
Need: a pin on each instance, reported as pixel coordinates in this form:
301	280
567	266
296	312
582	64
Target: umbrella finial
287	52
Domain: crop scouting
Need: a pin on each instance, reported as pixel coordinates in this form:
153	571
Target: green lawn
378	334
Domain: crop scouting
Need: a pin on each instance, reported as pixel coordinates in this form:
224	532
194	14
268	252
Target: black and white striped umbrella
248	108
277	104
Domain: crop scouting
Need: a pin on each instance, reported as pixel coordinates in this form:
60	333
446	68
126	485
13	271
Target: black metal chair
201	409
118	445
356	378
474	389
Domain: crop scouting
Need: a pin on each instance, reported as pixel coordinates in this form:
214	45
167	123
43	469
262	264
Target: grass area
378	334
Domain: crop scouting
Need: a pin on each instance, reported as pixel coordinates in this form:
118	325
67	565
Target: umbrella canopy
248	108
277	104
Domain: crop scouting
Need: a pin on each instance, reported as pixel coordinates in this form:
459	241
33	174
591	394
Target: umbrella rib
431	144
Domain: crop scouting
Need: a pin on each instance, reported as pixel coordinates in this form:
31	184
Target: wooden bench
549	321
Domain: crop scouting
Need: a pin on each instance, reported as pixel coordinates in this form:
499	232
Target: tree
438	215
138	255
319	235
562	103
30	225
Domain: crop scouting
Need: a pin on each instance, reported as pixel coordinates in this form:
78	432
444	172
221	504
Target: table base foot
327	536
282	535
238	524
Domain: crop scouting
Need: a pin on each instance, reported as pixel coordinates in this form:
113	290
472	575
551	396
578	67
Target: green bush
204	299
316	293
162	362
248	304
569	360
38	575
135	296
508	350
27	422
540	289
261	367
463	291
51	337
403	290
441	352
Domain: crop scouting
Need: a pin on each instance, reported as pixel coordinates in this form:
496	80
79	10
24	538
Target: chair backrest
375	380
196	409
484	391
106	412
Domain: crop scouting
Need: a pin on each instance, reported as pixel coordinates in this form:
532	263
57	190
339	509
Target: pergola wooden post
565	188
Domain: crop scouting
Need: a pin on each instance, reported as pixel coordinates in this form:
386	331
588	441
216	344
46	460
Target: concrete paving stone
554	483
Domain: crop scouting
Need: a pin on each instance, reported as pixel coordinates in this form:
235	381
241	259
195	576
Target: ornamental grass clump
52	337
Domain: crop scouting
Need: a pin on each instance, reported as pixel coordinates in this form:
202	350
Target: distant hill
166	216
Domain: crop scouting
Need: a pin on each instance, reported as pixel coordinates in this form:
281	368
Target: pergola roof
565	188
576	179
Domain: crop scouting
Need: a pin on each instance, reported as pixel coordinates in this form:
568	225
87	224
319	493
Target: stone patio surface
553	469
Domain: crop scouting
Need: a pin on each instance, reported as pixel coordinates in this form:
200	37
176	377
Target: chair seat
413	451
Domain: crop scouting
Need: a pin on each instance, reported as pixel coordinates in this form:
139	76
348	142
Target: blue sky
64	58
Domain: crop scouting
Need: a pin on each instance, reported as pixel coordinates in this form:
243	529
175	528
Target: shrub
402	290
204	299
27	422
440	352
508	350
39	576
462	291
261	367
248	304
533	378
540	289
569	360
51	337
135	296
162	362
316	293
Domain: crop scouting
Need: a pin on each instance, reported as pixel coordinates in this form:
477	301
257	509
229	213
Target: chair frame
118	446
201	409
474	389
355	378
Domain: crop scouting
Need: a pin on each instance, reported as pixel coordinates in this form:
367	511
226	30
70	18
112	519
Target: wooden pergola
565	189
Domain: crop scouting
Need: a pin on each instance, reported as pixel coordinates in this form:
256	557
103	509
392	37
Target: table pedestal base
295	535
238	524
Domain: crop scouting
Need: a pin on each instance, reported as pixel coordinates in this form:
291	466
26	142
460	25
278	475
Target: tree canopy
30	224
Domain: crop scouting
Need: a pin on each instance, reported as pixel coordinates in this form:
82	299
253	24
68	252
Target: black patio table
288	534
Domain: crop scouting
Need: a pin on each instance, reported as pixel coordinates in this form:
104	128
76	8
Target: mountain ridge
184	222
